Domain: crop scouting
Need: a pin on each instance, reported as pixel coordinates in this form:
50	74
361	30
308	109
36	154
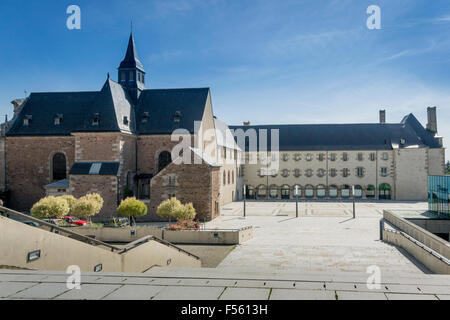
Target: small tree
50	207
168	208
132	208
88	206
186	212
70	200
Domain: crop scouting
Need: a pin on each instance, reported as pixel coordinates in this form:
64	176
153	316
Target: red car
75	220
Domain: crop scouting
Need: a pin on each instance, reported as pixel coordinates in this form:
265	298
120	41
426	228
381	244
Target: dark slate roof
131	59
347	136
59	184
78	110
84	168
163	105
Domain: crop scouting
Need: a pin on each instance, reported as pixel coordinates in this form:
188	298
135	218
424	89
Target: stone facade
405	171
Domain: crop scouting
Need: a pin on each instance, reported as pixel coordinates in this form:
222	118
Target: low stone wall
129	234
432	251
230	237
433	262
427	238
119	235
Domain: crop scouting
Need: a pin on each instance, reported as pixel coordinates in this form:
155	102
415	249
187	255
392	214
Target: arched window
321	191
250	192
59	167
262	191
370	192
273	192
309	191
224	178
333	192
385	191
229	177
358	192
345	192
165	158
285	192
232	177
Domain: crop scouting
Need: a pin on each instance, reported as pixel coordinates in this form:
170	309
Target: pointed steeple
131	59
131	72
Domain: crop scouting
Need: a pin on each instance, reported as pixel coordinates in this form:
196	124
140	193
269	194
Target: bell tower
131	72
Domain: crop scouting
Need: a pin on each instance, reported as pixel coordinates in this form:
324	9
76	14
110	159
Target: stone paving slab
189	293
349	295
245	294
405	296
134	292
89	292
286	294
42	291
9	288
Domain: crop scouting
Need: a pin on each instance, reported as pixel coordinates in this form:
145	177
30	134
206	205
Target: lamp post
245	196
296	201
353	193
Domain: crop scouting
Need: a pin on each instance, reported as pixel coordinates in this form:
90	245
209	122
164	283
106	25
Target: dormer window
402	141
58	119
96	119
145	117
125	120
27	120
177	117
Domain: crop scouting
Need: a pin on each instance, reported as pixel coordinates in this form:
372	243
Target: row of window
320	191
96	119
359	171
130	74
320	157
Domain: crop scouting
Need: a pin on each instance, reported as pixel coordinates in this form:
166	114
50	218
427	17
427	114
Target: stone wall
97	147
29	163
190	183
106	186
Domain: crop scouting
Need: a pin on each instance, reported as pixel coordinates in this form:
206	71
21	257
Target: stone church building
118	142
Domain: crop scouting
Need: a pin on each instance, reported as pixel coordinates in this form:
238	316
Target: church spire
131	71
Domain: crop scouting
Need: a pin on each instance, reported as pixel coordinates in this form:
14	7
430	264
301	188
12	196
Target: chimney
247	123
382	116
18	103
432	119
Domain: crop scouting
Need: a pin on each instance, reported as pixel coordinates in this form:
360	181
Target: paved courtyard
325	237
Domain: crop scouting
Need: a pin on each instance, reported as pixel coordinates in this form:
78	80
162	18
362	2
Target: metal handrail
61	229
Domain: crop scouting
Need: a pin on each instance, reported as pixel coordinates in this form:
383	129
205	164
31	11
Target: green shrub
50	207
88	206
70	200
132	208
168	208
186	212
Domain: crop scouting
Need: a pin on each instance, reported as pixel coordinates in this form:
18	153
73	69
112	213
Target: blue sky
288	61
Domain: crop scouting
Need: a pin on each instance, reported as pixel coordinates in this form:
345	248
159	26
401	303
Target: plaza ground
325	237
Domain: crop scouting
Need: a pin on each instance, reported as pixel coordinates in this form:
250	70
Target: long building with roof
338	161
119	142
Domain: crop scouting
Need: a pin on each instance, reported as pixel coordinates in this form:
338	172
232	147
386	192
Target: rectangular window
385	156
321	157
384	172
372	156
345	172
345	156
333	157
360	157
360	172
